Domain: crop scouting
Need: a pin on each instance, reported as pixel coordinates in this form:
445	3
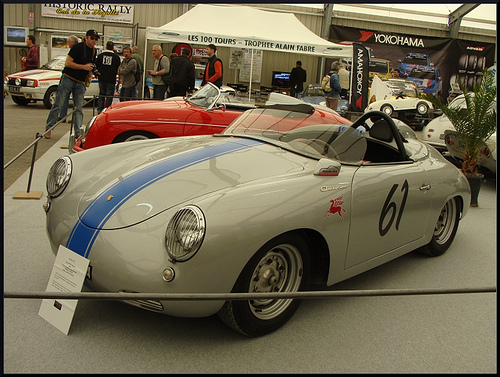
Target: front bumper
24	91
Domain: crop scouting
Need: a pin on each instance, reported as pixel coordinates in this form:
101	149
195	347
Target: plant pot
475	187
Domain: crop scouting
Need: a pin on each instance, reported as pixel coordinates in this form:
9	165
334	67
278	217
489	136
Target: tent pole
251	72
144	73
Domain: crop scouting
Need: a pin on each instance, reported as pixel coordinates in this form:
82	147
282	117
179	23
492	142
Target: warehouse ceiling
483	16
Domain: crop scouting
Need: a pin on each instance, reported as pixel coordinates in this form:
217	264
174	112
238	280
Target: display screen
15	35
281	79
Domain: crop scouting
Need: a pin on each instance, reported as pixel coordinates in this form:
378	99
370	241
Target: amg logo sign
398	40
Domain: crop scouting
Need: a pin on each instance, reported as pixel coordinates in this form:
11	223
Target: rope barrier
242	296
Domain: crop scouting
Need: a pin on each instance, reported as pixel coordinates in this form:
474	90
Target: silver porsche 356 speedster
268	206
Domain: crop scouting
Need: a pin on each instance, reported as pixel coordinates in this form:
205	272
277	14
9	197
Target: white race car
487	152
275	202
433	132
388	106
41	84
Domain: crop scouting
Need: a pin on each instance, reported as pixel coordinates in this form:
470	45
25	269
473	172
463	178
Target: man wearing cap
213	70
79	62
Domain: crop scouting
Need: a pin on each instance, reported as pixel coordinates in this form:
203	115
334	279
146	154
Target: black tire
50	97
281	265
387	109
445	230
20	100
422	108
134	135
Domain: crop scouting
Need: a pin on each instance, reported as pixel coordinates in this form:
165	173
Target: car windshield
292	130
56	64
403	87
423	74
377	66
206	97
419	60
314	91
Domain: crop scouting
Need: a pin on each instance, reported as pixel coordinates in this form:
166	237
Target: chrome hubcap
280	270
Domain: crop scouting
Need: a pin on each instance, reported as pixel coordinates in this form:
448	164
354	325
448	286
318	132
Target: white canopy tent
245	27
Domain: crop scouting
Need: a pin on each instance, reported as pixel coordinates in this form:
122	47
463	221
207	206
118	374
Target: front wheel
134	135
445	230
20	100
281	265
50	97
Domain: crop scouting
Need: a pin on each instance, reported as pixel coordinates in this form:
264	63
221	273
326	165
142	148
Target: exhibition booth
246	31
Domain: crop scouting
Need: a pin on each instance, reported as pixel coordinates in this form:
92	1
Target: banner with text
123	13
449	58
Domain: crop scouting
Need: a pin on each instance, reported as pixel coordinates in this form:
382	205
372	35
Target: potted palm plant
473	124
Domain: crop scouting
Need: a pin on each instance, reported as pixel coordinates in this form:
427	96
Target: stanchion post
28	194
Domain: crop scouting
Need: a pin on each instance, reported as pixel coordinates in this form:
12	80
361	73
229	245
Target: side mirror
327	167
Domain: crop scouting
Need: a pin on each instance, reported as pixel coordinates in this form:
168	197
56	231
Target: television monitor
281	79
15	36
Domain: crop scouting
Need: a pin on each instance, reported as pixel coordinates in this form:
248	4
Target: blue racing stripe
99	211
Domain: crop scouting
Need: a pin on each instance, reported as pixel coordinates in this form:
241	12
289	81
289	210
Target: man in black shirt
79	63
107	64
183	71
297	79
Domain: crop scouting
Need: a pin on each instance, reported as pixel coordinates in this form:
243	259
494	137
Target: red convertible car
207	112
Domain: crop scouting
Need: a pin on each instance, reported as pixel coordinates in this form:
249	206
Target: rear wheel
387	109
445	230
281	265
422	108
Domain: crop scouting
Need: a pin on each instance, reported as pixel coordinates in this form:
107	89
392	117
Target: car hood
121	111
36	74
154	175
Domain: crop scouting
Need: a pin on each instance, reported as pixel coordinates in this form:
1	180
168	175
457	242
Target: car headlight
185	233
59	176
31	83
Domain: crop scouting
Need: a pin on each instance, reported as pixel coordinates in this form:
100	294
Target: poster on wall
437	61
123	13
251	58
237	56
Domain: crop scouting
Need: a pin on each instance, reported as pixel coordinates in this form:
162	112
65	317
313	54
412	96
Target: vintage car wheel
445	230
50	97
281	265
422	108
134	135
387	109
20	100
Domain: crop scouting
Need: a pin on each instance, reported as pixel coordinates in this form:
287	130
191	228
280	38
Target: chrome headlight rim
59	176
185	233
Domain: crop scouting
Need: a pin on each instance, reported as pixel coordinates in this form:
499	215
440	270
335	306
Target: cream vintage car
266	207
41	84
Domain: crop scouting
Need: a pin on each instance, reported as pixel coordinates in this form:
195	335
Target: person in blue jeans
79	62
332	97
72	39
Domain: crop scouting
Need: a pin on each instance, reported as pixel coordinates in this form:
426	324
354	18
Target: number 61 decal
392	207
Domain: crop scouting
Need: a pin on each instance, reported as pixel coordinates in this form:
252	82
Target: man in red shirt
32	61
213	70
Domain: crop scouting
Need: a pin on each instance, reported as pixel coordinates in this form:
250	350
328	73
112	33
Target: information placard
68	275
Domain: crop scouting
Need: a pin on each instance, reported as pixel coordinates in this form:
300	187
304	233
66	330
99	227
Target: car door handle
425	187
